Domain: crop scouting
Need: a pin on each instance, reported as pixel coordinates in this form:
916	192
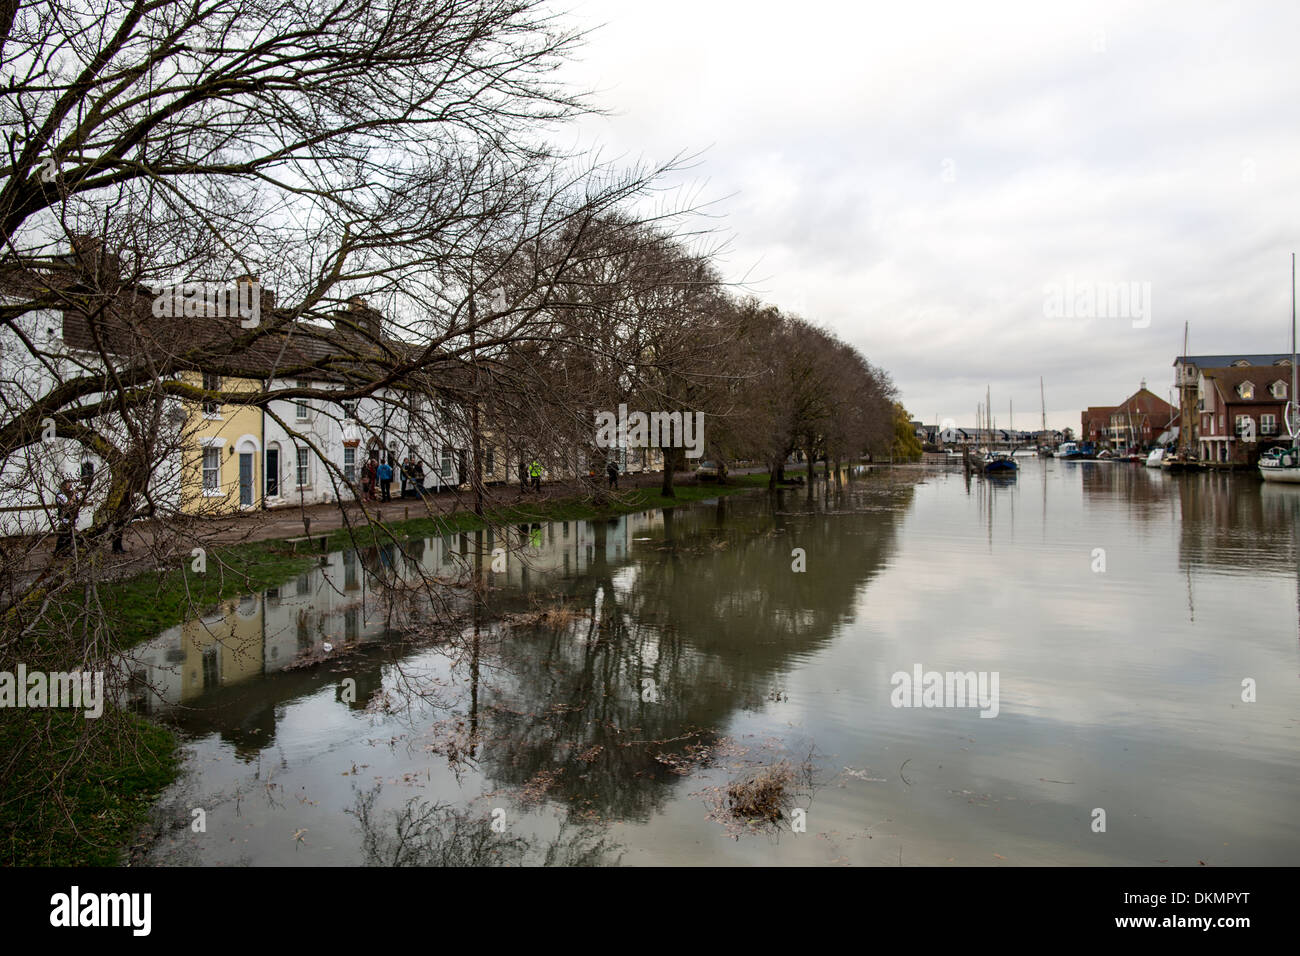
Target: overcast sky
919	176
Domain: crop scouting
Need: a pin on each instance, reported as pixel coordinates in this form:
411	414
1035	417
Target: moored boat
1073	451
1178	463
1157	455
1282	465
1000	464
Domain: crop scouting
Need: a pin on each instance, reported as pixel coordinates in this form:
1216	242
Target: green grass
78	790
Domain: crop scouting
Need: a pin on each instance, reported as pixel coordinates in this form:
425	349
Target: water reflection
597	675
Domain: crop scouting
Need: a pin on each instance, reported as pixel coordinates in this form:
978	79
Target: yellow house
223	647
221	471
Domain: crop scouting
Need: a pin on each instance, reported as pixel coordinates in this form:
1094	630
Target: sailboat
1283	464
1182	459
997	463
1044	449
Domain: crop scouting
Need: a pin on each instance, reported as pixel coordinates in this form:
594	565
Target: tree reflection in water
425	833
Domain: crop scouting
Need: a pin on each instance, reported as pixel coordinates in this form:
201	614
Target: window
304	469
350	464
444	464
489	463
1246	390
211	383
1279	389
1244	422
350	408
350	580
302	409
212	471
1268	424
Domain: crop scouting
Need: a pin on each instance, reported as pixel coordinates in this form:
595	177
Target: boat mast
1290	425
1184	419
1042	434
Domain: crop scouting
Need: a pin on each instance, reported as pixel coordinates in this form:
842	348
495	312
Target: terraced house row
210	445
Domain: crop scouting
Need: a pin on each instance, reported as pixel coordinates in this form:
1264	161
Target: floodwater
597	699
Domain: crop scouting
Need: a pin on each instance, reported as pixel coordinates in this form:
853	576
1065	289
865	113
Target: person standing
417	478
611	469
535	473
368	478
406	468
65	516
385	473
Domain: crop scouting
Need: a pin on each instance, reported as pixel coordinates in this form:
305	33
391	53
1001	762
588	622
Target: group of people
530	475
377	479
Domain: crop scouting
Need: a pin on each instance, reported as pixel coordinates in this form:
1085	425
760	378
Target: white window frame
302	467
350	467
302	410
1267	423
212	490
211	410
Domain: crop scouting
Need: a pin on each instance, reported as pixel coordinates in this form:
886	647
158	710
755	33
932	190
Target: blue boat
1073	451
1001	464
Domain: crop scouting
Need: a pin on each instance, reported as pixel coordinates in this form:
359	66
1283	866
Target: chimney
87	254
268	297
364	317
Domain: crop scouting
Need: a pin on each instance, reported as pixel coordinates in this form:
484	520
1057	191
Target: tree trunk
670	460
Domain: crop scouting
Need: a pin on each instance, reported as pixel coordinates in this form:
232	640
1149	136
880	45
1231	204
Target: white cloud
1096	141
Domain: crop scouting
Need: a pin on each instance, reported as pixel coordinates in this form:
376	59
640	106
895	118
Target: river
612	678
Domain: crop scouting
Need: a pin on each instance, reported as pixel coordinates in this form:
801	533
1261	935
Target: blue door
246	478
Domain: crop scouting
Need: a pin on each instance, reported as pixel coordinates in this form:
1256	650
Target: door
272	472
246	479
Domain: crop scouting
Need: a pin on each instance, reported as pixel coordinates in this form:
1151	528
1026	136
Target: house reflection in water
346	601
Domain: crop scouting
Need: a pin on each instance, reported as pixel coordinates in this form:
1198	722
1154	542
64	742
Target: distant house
1095	423
1136	422
1240	411
1214	405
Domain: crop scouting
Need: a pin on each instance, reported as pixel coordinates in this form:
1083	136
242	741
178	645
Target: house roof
1224	361
344	351
1226	381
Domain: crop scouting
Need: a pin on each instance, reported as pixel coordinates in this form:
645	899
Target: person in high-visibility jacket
535	473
